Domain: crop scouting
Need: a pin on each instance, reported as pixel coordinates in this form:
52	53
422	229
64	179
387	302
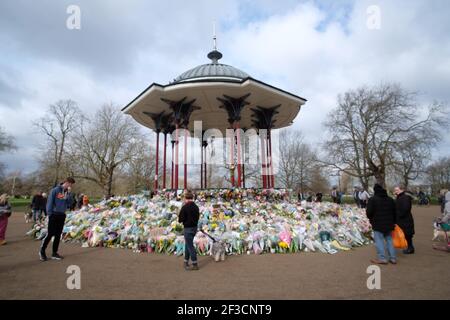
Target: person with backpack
381	212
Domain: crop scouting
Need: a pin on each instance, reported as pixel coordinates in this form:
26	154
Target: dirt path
121	274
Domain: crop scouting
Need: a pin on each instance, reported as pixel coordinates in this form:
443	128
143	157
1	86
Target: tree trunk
109	184
380	177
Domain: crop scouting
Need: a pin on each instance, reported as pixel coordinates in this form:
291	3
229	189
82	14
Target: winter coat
58	201
404	217
189	215
381	211
36	202
5	210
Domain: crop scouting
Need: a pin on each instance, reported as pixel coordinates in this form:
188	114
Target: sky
314	49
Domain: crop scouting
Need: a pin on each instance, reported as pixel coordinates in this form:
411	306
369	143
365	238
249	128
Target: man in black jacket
404	217
189	215
381	213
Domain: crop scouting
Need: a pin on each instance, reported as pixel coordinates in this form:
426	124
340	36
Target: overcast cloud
315	49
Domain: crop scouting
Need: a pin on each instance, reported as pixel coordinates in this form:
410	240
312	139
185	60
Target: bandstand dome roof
213	70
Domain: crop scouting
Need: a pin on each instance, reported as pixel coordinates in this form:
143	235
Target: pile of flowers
246	221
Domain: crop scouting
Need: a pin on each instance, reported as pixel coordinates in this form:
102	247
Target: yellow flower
283	245
214	225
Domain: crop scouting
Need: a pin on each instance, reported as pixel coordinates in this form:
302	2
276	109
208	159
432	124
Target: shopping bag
398	238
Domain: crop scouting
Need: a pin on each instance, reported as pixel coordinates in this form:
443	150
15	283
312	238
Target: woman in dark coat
381	213
404	217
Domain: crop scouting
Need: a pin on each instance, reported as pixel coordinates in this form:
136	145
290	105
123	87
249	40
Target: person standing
363	196
441	199
189	215
80	201
36	206
57	204
334	195
5	213
299	195
381	214
356	196
319	196
44	204
404	216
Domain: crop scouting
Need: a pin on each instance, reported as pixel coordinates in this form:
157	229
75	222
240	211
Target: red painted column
271	160
172	175
238	146
157	160
176	156
164	160
268	181
201	164
232	161
206	177
185	159
263	161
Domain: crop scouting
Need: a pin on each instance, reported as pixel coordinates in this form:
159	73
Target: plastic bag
398	238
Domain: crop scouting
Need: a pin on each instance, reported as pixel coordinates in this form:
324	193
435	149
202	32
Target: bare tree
141	168
370	124
438	174
297	161
410	160
6	141
60	121
104	145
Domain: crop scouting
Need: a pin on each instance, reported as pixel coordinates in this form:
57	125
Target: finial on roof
214	55
214	35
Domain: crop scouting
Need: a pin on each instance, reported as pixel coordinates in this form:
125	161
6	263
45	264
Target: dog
28	216
218	248
438	235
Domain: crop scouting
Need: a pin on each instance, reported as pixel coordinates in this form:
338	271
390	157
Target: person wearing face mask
58	202
404	217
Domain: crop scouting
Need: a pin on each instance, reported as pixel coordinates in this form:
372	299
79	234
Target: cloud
316	49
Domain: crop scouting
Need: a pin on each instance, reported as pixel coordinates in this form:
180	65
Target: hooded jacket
381	211
58	201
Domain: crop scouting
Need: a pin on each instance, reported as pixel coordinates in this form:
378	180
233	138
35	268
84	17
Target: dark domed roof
212	70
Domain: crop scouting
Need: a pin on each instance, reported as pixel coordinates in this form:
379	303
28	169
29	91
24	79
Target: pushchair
445	227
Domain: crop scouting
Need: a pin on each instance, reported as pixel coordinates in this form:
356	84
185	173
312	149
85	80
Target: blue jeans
37	214
380	239
189	250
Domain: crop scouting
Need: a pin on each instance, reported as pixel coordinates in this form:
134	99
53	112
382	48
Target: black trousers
55	228
409	238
